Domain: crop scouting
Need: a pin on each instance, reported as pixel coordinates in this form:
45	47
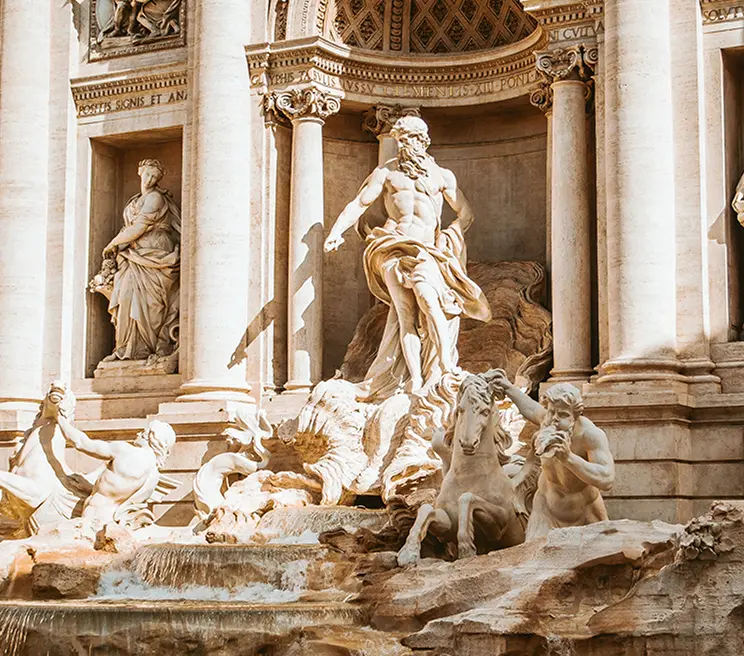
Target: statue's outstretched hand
332	243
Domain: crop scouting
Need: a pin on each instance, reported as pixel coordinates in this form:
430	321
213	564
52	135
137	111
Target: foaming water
306	537
121	585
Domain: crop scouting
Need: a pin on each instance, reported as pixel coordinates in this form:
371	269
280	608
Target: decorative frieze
119	28
106	94
721	11
307	102
381	118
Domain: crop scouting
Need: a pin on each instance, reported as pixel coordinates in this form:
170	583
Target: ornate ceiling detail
428	26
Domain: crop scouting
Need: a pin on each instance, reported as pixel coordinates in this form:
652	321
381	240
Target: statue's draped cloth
441	265
144	303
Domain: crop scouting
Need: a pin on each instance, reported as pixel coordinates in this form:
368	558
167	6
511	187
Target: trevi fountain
372	328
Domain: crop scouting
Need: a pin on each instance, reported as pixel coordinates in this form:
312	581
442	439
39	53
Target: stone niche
114	180
498	153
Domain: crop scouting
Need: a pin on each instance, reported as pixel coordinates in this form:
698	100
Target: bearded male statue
414	266
574	457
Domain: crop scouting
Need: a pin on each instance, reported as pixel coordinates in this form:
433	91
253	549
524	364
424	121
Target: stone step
160	627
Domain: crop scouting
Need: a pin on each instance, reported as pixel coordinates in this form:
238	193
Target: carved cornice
374	78
306	102
721	11
381	118
569	21
130	90
572	63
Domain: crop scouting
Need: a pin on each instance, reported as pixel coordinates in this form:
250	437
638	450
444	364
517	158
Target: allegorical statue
414	266
574	455
140	272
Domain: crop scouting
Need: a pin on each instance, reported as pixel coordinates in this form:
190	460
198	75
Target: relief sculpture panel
127	27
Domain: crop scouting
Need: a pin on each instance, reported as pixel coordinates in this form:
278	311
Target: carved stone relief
128	27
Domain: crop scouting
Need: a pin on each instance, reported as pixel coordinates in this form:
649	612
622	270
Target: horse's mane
478	390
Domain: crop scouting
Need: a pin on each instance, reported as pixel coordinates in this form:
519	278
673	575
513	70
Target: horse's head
474	413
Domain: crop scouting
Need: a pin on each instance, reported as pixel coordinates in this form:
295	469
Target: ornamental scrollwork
307	102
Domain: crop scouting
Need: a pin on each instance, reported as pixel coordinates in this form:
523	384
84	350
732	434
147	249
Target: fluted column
307	109
24	189
640	187
218	223
379	120
568	70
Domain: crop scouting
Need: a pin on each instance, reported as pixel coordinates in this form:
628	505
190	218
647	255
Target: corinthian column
307	109
640	153
379	120
217	224
568	70
24	147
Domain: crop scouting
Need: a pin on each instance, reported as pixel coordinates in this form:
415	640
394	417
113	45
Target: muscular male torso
412	211
570	500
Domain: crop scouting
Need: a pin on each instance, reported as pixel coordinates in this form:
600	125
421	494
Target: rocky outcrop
613	588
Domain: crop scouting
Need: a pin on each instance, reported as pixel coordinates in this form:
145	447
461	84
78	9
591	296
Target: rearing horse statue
477	504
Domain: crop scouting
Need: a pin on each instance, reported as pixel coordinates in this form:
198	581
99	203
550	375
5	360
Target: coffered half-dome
427	26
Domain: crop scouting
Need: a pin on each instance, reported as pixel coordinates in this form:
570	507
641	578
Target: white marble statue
130	479
242	440
574	456
414	266
477	506
144	296
40	489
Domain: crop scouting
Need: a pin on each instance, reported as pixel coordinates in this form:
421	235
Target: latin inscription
575	33
420	91
130	103
719	15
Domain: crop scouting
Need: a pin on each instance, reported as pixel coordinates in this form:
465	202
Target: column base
16	417
214	390
298	387
577	377
653	371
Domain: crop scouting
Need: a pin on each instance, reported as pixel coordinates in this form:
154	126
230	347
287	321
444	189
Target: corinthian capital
308	102
572	63
381	118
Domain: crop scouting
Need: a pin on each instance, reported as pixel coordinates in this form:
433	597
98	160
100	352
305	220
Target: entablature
366	77
137	89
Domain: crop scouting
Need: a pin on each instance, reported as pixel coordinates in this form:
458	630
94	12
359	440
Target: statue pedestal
127	368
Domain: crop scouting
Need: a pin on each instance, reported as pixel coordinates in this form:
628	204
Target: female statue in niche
144	259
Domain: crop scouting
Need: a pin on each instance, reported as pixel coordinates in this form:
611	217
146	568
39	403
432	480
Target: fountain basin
66	628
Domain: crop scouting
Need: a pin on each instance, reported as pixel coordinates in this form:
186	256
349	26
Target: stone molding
128	90
721	11
374	78
568	22
306	102
381	118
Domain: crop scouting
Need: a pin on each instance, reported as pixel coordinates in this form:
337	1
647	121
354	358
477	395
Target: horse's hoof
407	557
465	551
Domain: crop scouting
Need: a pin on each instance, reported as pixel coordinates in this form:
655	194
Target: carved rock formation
611	587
